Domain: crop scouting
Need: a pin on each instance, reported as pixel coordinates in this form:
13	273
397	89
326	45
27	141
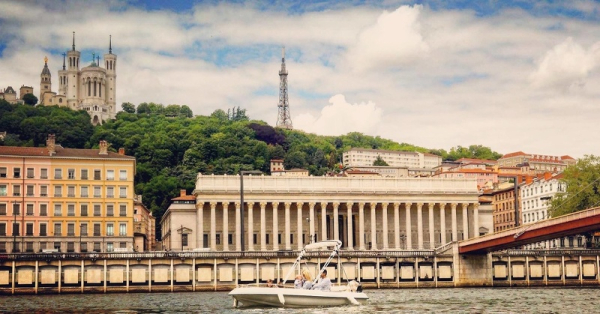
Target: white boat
281	296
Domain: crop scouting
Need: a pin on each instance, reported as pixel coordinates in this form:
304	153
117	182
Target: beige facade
536	163
284	213
144	230
361	157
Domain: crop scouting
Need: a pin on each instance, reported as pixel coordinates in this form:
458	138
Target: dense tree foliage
583	185
30	126
30	99
473	151
380	162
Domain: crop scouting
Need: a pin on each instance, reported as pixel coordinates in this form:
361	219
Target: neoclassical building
285	213
91	88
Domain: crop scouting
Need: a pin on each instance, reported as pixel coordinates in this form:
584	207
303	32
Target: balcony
71	234
30	176
84	177
43	177
57	194
84	195
16	194
44	194
57	177
71	195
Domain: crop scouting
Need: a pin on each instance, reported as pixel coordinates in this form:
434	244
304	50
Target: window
84	174
97	191
15	229
29	229
109	247
123	245
43	230
110	174
84	210
71	229
2	247
122	229
71	173
205	240
28	246
110	191
57	191
97	247
57	229
97	210
57	210
230	238
2	172
84	191
184	240
57	246
44	173
29	211
70	209
83	230
122	210
3	191
70	246
71	191
57	173
2	209
82	247
122	191
30	173
122	174
110	210
16	172
30	190
96	230
16	209
218	238
110	230
16	190
254	240
2	229
97	175
44	190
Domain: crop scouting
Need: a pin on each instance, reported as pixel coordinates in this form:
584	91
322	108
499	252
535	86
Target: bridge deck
571	224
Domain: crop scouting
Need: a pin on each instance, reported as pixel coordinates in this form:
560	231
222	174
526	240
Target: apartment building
362	157
68	200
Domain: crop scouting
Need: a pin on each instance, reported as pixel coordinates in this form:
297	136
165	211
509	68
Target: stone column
454	224
408	227
373	207
299	221
288	229
238	228
443	222
200	225
311	222
323	221
336	223
431	226
384	208
397	225
465	207
420	226
275	239
225	227
350	243
250	226
263	226
361	226
476	220
213	226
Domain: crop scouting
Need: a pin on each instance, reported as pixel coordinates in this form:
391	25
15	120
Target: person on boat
269	283
324	283
307	279
298	282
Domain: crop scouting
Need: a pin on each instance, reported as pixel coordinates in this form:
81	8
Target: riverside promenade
54	273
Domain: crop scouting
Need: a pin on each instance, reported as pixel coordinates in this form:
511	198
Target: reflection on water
457	300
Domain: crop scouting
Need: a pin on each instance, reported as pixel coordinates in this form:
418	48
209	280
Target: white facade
361	157
536	197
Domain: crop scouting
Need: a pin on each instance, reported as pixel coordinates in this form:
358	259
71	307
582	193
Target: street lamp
242	173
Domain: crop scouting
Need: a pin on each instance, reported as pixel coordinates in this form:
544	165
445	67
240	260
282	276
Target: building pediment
184	230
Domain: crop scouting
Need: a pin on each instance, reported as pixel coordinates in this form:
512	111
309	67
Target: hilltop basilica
93	88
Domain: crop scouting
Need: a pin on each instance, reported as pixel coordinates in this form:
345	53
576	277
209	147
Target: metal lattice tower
284	120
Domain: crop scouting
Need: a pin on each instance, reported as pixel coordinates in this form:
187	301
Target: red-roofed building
537	163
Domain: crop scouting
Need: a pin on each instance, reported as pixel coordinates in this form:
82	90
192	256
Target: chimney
547	175
51	144
121	151
103	148
182	192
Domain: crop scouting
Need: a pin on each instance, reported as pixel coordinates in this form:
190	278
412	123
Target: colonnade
386	226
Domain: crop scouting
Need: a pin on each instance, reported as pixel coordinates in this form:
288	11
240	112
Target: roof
296	170
477	161
184	198
361	172
567	157
60	153
463	170
9	90
519	153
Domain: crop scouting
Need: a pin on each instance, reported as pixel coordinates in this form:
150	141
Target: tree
128	107
186	112
583	186
380	162
30	99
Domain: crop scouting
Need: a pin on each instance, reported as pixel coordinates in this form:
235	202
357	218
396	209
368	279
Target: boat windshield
331	244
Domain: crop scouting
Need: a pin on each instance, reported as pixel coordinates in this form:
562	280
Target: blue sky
512	75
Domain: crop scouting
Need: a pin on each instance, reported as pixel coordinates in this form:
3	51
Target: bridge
571	224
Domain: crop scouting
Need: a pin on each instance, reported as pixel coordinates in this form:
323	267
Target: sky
511	75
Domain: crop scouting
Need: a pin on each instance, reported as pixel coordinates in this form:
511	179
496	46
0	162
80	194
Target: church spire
110	44
64	59
73	41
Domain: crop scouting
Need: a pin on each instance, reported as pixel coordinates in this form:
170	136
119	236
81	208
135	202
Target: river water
439	300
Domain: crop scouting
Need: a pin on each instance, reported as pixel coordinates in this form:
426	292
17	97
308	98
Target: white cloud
566	66
394	40
341	117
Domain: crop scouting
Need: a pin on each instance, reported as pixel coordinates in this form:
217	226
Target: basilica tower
72	92
45	81
110	63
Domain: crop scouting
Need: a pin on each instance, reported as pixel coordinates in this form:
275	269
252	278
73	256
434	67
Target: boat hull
287	297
